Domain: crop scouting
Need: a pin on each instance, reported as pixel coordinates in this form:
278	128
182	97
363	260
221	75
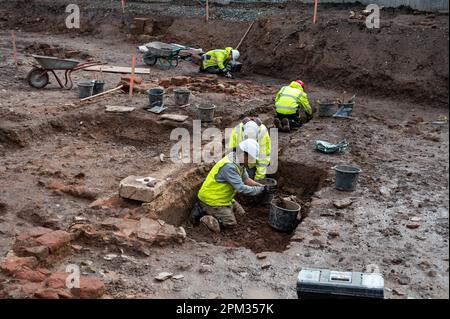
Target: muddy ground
398	219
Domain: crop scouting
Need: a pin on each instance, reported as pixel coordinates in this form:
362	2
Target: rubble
10	265
163	276
178	277
343	203
137	188
55	240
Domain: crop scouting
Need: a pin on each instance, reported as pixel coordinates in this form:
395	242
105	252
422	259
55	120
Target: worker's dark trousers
294	119
211	70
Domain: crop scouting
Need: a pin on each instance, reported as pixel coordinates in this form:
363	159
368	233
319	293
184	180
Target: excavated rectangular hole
253	230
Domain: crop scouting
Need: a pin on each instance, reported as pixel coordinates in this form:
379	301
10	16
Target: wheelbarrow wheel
38	78
175	61
150	60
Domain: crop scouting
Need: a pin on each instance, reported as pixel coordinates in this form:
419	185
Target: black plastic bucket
181	96
206	112
99	86
156	97
283	218
266	198
85	89
346	177
326	109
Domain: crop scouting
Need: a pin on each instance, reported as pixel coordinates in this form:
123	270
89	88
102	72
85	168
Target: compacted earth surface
61	159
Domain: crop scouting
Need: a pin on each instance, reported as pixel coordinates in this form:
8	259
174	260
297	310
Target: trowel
157	109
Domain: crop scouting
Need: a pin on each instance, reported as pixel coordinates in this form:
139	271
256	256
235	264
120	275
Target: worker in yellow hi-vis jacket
253	128
292	106
217	61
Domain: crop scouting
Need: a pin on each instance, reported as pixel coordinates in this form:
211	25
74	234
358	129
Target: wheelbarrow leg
57	79
68	74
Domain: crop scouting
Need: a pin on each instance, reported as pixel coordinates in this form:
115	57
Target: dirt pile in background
399	59
407	57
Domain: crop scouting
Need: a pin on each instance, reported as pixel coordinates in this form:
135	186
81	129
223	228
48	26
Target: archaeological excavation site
224	149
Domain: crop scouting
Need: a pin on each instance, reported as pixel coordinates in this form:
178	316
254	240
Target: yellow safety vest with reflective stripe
214	193
289	98
263	139
216	58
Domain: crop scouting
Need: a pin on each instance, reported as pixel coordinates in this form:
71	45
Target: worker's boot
197	214
211	223
277	123
285	126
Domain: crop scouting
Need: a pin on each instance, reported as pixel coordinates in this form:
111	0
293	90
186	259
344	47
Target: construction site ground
58	155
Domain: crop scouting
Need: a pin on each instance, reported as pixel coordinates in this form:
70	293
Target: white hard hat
235	55
251	147
251	129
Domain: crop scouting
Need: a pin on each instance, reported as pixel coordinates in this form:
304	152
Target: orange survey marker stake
206	11
315	11
133	68
123	11
13	36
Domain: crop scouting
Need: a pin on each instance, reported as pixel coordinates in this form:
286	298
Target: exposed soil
252	231
403	57
57	154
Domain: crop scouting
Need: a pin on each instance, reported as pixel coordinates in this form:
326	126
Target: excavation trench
253	230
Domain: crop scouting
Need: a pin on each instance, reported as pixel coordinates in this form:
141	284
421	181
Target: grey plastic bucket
98	87
266	198
283	219
326	109
156	97
206	112
346	177
85	89
181	96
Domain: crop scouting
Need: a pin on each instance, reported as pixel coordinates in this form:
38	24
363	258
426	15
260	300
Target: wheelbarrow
38	76
166	54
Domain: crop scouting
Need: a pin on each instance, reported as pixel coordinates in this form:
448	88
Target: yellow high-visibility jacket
214	193
263	139
218	58
290	98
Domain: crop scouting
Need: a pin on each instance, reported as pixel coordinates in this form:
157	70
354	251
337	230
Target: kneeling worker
226	178
292	106
253	128
217	61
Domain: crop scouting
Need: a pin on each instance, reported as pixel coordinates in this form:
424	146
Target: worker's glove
228	75
228	67
268	189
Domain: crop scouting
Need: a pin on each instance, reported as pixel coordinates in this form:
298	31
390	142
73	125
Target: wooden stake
103	93
123	12
206	11
133	68
245	35
315	11
13	36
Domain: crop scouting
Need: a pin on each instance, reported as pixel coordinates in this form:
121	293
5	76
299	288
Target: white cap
251	130
251	147
235	55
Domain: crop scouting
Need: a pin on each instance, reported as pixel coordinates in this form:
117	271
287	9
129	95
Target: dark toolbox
328	284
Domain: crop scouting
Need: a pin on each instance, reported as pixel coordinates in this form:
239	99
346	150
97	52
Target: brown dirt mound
402	58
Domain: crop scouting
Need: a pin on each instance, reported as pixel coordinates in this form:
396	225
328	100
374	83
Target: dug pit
253	230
